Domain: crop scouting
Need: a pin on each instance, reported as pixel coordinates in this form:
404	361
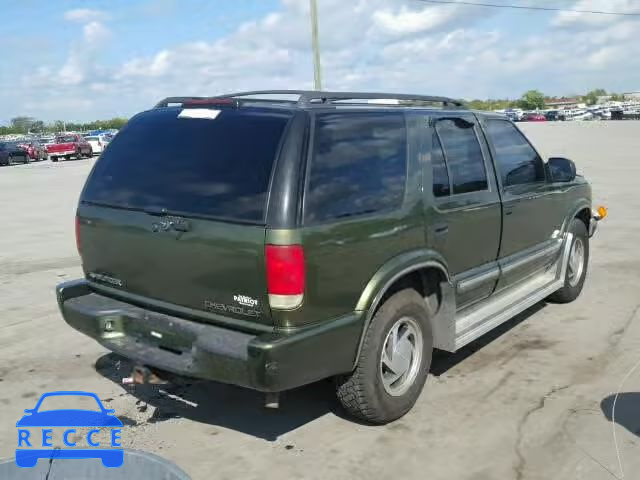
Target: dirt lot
529	401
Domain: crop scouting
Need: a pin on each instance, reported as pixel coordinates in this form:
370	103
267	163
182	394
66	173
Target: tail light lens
285	275
78	235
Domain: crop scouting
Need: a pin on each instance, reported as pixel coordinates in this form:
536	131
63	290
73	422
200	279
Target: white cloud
569	19
365	44
83	15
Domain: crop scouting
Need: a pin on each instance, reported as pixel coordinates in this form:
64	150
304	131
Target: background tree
591	98
532	100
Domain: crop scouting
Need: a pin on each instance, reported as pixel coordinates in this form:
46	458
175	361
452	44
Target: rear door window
463	155
217	166
359	165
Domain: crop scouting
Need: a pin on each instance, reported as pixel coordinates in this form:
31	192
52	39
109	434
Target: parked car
34	149
97	142
69	146
11	152
270	245
553	116
534	117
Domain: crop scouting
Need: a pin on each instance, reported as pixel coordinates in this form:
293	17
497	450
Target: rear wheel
394	361
54	159
576	266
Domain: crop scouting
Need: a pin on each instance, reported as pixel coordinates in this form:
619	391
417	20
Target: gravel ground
528	401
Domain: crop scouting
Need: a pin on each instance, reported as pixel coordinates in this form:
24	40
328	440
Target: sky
86	60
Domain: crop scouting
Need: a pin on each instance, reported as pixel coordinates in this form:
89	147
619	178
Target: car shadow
243	409
224	405
627	412
444	361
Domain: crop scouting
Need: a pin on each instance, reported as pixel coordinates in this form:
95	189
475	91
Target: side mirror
561	169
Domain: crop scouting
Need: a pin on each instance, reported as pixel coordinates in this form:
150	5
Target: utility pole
317	70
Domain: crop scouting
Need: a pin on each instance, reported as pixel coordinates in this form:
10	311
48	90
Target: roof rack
313	97
316	98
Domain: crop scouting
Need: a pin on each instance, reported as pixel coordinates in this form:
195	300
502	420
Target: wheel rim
401	356
576	262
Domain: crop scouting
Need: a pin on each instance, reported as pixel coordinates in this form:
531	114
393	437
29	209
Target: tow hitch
141	375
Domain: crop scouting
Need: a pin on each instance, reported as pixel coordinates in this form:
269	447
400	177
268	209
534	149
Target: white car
97	142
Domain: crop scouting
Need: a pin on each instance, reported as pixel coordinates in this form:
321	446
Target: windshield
66	139
214	165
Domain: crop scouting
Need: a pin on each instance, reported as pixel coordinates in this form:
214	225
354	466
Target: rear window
67	139
217	166
359	165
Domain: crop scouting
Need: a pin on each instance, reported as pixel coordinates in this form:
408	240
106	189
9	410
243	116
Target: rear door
174	210
464	214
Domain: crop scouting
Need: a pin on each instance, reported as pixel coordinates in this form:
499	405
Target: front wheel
394	361
576	266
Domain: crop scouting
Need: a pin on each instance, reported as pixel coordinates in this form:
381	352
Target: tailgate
174	210
61	147
214	266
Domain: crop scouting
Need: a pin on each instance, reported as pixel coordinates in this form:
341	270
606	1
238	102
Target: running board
477	320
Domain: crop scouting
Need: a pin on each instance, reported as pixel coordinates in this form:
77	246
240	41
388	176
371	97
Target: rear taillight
285	275
78	235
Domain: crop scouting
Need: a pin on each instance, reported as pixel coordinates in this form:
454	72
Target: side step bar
474	322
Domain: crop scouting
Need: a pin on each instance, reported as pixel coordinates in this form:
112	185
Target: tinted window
440	174
358	165
517	161
67	139
463	155
218	167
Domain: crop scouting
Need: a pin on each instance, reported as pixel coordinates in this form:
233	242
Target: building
563	103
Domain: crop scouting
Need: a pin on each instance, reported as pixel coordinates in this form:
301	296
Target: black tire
362	393
572	286
54	159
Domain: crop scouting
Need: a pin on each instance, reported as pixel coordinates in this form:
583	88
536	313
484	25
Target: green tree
532	100
615	97
591	98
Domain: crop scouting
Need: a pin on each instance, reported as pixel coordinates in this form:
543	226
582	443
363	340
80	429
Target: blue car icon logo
44	420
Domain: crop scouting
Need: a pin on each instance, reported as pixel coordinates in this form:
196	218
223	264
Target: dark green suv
272	239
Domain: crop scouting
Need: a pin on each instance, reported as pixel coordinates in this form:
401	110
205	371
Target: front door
531	224
463	213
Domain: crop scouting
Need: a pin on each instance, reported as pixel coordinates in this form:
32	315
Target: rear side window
359	165
518	163
463	155
214	167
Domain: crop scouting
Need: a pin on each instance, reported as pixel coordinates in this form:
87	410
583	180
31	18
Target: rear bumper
62	153
269	362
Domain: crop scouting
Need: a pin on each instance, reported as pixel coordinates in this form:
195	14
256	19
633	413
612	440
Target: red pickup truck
68	146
